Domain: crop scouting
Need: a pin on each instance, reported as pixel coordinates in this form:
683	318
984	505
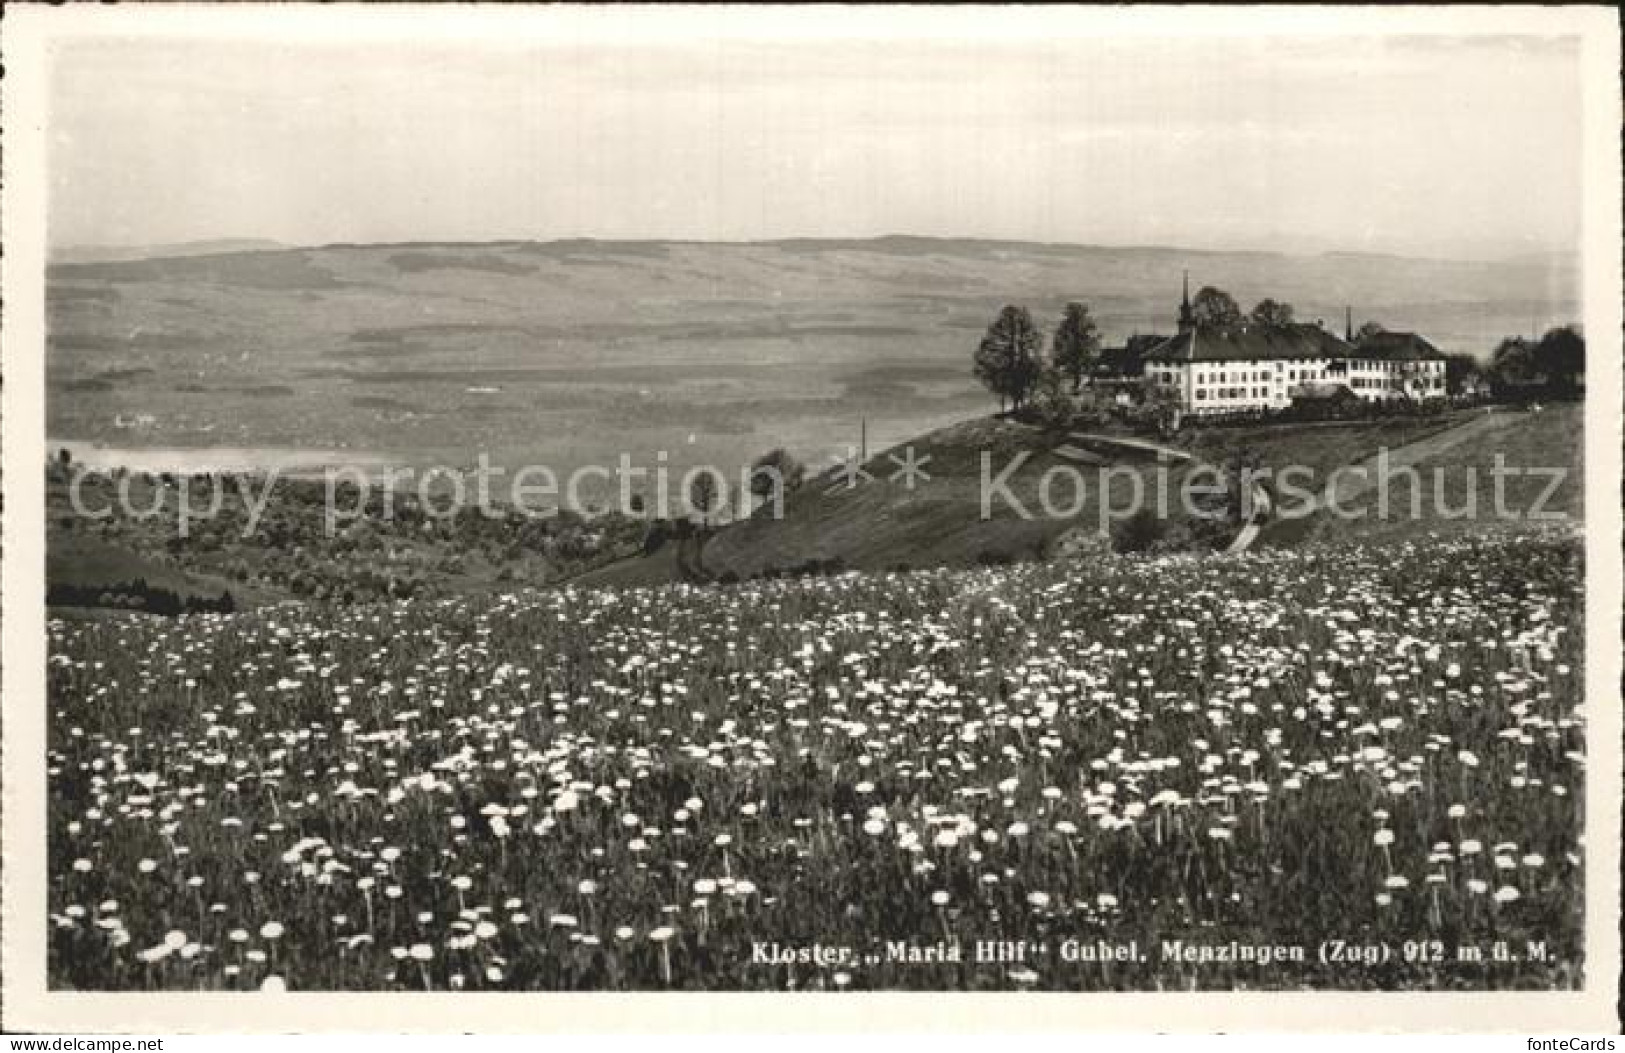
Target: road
1350	482
1260	505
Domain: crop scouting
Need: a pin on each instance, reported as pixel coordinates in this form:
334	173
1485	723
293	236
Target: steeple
1187	318
1348	323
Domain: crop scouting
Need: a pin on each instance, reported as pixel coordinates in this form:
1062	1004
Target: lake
285	460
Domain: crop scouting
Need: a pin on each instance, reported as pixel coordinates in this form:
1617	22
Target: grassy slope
1551	439
77	560
884	524
1323	448
1193	749
663	566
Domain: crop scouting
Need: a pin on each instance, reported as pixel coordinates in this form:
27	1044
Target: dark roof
1138	344
1404	347
1251	343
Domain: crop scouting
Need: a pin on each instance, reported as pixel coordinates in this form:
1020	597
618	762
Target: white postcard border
27	1004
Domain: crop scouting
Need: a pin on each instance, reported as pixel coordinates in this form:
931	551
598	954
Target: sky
1430	146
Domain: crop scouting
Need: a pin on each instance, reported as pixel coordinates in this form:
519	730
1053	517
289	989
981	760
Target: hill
85	572
1448	484
939	519
570	353
887	525
112	253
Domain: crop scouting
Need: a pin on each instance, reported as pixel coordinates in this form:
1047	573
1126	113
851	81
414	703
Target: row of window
1386	384
1220	394
1307	372
1222	376
1396	367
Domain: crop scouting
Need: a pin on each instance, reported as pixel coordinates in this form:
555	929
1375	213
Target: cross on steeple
1187	317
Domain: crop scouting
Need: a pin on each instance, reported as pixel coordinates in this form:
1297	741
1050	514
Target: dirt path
1260	504
1300	522
1351	481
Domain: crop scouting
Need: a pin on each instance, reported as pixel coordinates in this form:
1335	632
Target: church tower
1187	318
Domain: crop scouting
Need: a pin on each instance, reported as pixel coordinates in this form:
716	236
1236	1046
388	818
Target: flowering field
576	789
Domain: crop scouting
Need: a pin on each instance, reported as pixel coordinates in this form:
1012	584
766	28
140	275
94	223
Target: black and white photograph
818	501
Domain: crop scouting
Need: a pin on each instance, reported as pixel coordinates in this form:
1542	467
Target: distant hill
116	253
573	352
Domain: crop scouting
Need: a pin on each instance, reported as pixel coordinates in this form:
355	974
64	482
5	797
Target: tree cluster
1011	364
1552	367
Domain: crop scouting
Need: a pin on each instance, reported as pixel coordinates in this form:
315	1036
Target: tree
1215	310
1368	330
1272	312
775	473
1076	345
1052	399
1459	370
1561	355
1138	532
1159	405
705	492
1513	365
1007	360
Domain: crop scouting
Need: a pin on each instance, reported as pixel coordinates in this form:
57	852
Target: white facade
1255	384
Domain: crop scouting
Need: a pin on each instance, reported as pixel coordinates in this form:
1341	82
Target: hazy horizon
1447	148
259	243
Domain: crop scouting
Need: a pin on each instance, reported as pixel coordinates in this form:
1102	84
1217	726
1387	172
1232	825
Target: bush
1139	532
1081	543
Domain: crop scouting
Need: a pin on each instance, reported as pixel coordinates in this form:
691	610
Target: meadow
623	789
